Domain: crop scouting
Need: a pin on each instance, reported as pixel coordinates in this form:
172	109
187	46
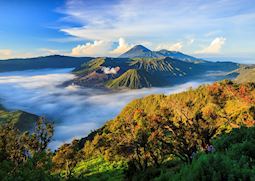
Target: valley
127	90
75	111
95	90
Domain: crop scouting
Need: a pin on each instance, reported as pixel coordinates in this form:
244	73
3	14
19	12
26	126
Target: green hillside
133	73
158	65
90	66
161	137
22	120
148	72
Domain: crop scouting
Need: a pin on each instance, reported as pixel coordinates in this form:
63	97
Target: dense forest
203	134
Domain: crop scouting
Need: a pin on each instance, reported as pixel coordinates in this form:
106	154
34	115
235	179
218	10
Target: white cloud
101	48
122	47
214	47
48	51
126	18
5	53
172	47
97	48
176	46
130	18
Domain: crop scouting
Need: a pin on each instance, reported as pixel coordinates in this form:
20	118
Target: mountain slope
168	130
246	74
177	55
139	51
133	79
53	61
21	119
132	73
144	72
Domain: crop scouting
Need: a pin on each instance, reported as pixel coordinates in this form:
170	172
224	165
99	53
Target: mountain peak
138	51
140	48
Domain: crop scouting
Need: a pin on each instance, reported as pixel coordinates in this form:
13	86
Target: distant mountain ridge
52	61
139	51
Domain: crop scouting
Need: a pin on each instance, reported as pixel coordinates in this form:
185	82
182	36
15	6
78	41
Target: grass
246	74
99	169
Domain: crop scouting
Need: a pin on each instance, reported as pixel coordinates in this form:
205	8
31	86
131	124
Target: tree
24	155
67	156
38	141
138	140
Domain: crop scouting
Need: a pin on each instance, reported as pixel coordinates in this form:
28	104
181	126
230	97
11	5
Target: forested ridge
203	134
21	119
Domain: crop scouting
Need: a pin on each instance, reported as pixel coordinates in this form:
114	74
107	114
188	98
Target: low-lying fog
75	111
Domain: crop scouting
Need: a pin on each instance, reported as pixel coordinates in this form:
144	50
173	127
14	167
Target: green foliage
214	167
23	156
100	169
233	160
66	158
153	129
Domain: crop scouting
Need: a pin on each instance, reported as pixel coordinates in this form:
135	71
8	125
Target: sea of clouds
75	110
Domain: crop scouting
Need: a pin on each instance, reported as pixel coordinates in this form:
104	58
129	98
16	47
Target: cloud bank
122	47
214	47
101	48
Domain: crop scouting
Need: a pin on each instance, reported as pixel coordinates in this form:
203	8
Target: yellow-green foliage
97	169
167	131
150	129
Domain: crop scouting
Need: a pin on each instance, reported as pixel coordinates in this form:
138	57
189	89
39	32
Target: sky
203	28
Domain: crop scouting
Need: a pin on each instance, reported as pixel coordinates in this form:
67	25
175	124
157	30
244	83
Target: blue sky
204	28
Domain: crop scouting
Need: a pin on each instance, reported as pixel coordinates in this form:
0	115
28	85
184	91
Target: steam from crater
109	70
